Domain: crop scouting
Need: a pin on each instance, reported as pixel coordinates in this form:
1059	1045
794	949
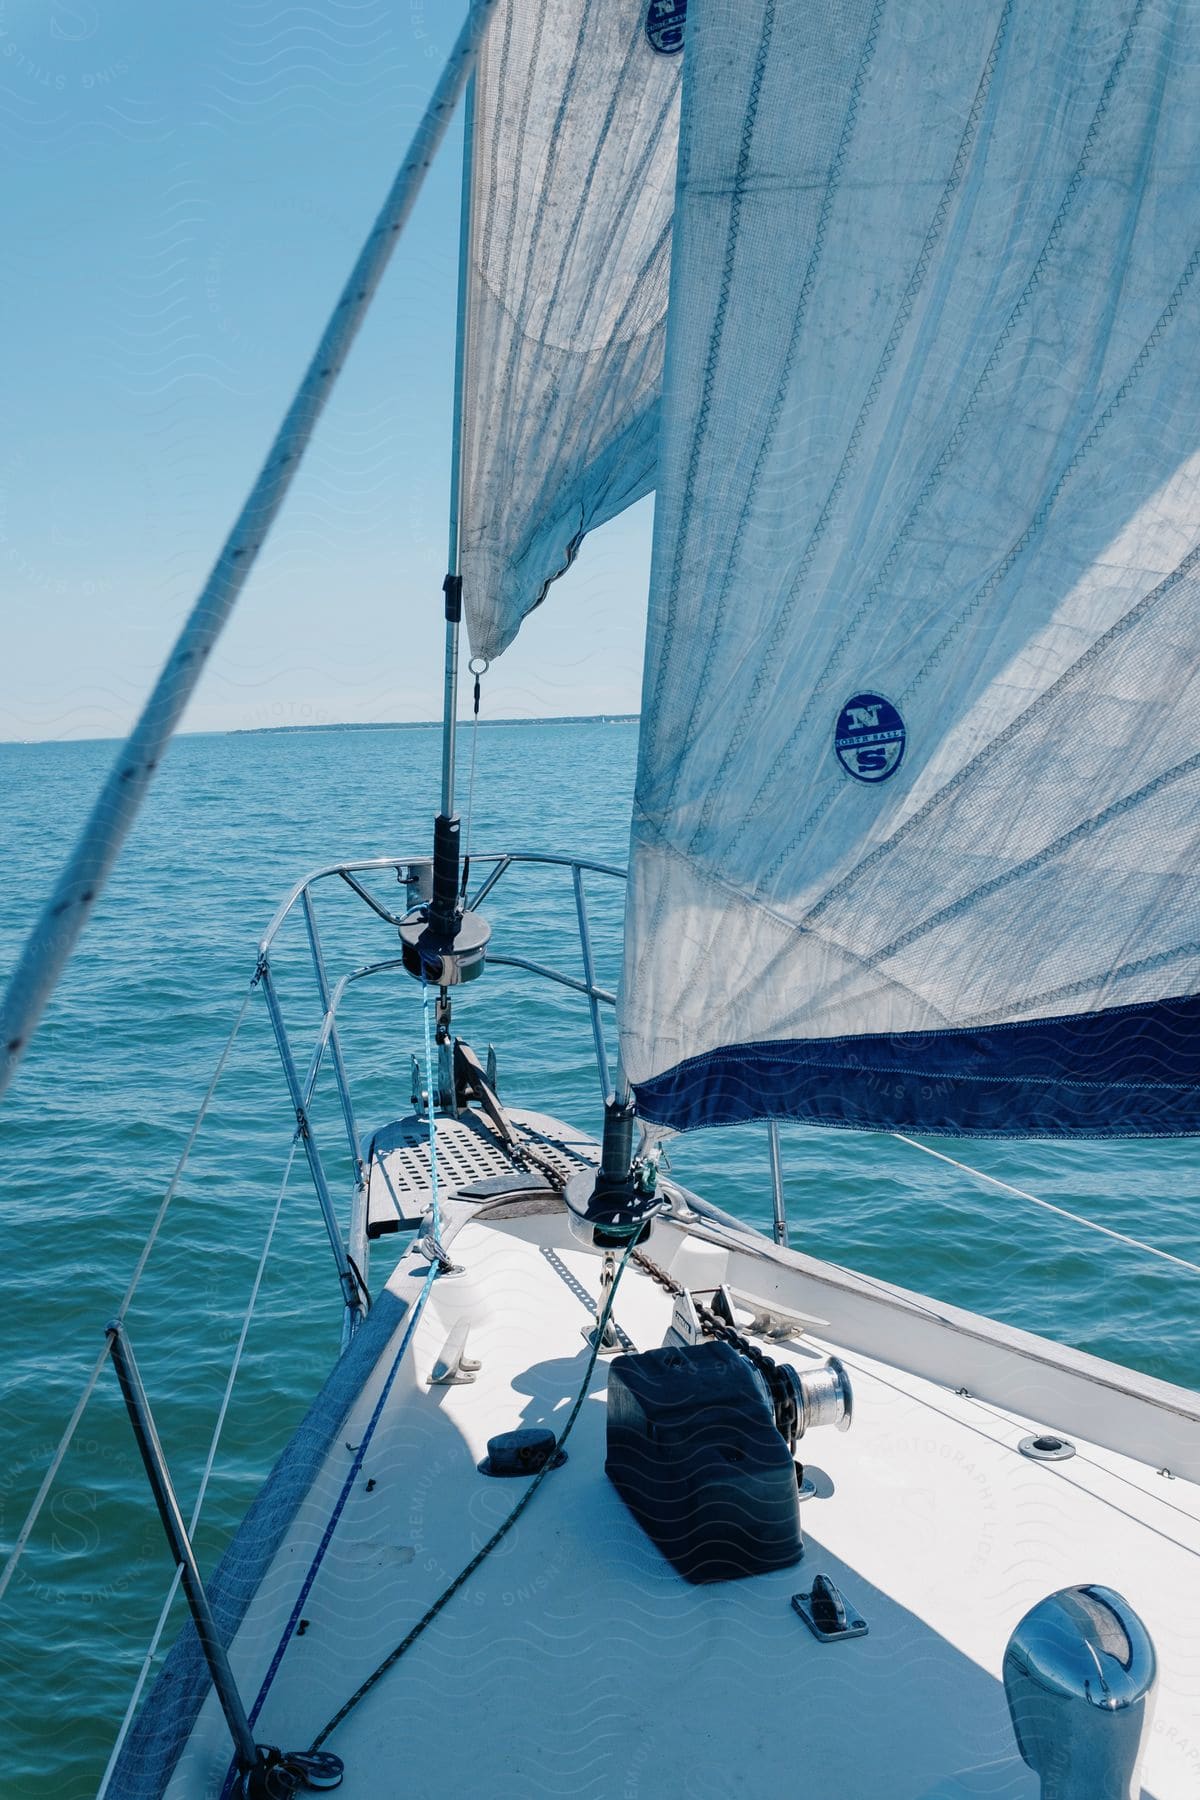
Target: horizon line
466	720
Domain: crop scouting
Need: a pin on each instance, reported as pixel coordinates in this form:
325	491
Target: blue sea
101	1108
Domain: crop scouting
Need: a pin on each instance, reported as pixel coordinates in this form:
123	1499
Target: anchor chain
523	1152
777	1379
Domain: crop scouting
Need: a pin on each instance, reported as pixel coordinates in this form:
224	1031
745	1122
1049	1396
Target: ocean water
92	1129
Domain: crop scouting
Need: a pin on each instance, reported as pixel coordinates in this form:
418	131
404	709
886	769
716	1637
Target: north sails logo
870	737
664	25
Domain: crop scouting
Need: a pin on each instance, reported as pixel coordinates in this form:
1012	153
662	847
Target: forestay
917	825
575	132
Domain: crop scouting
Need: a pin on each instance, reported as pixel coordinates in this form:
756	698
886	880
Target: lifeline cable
206	1475
500	1532
89	1386
1119	1237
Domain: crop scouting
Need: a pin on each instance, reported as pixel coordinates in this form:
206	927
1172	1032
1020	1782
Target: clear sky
186	186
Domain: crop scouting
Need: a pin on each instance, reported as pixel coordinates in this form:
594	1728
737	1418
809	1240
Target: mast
444	943
443	908
453	585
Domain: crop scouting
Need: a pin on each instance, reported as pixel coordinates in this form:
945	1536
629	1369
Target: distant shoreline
427	724
351	725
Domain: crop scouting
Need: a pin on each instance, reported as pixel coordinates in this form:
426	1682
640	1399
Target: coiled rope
89	1386
1120	1237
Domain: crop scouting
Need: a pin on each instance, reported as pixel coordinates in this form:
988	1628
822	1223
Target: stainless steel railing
350	1250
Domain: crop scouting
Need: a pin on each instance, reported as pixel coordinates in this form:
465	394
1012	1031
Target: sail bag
917	824
574	136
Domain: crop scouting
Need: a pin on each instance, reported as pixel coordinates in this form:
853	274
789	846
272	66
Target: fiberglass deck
576	1662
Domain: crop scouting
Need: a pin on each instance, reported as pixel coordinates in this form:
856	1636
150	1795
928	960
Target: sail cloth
576	121
917	824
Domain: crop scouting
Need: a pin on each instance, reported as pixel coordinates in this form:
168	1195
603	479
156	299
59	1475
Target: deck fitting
1045	1447
827	1613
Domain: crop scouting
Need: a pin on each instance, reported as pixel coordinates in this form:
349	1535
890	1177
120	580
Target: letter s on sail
664	25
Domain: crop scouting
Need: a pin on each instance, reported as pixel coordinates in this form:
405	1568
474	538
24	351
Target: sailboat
896	310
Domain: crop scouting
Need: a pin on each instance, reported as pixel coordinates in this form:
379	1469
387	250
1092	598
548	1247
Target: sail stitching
568	397
778	1053
506	411
518	160
916	281
1082	451
652	713
900	323
1115	810
767	443
587	184
1072	675
646	345
1119	628
489	221
652	704
954	442
647	833
1123	972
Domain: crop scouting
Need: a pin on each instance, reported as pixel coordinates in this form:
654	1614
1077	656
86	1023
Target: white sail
575	133
917	828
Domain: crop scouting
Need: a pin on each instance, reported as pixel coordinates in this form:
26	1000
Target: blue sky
186	188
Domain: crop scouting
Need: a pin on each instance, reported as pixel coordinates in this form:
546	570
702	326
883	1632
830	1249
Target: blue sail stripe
1124	1071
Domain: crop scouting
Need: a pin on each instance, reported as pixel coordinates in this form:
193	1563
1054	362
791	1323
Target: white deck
576	1662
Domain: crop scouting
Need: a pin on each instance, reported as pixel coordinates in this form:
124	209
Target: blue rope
356	1466
327	1534
447	1594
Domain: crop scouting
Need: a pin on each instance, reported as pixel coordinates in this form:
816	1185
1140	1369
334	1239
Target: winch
701	1447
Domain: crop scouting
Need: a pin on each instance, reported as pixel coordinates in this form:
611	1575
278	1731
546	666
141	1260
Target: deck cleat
827	1613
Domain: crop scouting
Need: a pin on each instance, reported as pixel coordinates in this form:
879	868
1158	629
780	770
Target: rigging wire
1119	1237
235	1365
89	1386
501	1531
54	935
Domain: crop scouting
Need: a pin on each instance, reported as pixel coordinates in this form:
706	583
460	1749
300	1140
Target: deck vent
1045	1447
